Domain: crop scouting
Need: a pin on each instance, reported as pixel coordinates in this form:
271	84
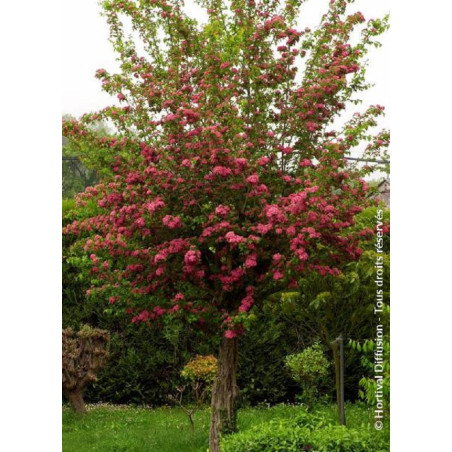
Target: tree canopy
228	179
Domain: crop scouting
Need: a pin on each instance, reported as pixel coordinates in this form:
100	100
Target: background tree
229	180
81	168
76	177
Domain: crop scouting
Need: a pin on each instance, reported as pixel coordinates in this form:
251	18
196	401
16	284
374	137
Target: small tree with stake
84	353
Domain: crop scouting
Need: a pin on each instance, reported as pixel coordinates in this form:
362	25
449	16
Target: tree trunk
224	394
76	400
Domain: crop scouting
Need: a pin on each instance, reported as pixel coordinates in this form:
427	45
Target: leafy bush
201	369
274	436
338	438
144	365
308	432
307	368
366	219
308	365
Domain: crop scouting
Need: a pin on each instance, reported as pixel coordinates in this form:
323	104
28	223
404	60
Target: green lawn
127	429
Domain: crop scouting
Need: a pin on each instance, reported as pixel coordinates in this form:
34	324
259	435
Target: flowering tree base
224	394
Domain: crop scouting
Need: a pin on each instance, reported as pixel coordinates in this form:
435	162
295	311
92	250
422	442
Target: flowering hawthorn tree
228	179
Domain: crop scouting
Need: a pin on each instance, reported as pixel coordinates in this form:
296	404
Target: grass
110	428
128	429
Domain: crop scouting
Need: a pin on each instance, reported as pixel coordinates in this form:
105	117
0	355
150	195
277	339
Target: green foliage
367	219
75	175
199	374
313	432
308	368
342	439
76	310
262	376
202	368
309	365
325	306
67	206
375	390
144	365
139	371
370	386
82	165
271	437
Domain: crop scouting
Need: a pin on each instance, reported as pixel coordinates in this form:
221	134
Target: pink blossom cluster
172	222
156	204
233	238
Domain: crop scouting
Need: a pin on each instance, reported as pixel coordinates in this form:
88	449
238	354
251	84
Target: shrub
307	432
199	374
201	370
143	367
274	436
338	438
68	205
307	368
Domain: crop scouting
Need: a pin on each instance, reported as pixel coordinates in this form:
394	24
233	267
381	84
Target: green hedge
308	432
343	439
272	437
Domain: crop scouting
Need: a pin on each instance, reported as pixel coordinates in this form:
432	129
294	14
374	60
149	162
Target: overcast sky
86	49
